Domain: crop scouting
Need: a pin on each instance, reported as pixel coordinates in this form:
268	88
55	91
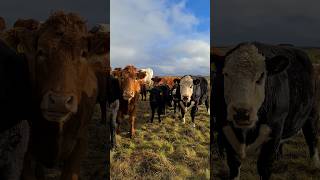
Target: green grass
166	150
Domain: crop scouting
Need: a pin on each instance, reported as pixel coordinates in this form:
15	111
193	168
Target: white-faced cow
146	83
193	92
269	93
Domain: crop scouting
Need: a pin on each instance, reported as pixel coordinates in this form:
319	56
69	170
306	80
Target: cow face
186	88
130	81
245	72
61	72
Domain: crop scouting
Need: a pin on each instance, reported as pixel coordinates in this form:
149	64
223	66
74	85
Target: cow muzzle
58	107
186	98
242	117
128	95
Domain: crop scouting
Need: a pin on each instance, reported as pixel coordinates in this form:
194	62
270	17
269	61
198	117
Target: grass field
293	165
166	150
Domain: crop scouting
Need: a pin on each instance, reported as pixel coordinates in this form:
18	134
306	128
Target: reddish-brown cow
30	24
130	87
166	80
65	88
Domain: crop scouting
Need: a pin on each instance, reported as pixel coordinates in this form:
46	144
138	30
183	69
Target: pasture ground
293	165
166	150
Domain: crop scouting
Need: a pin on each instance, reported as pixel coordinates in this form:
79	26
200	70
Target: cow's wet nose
241	114
61	102
185	98
128	93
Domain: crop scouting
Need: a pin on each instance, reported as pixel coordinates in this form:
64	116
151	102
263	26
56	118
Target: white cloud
158	34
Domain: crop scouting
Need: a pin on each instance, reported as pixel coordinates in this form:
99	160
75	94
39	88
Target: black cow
113	97
175	91
284	77
160	97
15	100
193	92
143	91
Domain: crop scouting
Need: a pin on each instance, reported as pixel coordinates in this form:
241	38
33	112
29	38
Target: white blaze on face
244	85
186	88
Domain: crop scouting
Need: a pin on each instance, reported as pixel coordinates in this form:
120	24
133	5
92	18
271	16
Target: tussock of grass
166	150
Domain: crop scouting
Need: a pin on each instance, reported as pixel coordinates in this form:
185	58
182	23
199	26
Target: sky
270	21
94	12
170	36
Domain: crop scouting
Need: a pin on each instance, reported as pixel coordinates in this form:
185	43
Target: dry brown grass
169	150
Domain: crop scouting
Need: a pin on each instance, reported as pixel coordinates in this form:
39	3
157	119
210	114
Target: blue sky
170	36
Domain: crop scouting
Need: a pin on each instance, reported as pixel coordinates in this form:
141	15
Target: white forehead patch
246	59
187	80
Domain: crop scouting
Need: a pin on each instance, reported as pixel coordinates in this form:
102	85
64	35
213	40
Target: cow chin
127	98
57	117
244	124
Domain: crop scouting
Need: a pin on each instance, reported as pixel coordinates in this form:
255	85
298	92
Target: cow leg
152	114
132	120
310	134
266	158
234	164
115	108
183	116
194	110
207	105
159	114
119	118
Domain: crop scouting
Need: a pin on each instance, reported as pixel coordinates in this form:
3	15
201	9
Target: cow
130	80
116	72
193	92
160	97
30	24
168	80
2	24
15	98
147	82
266	94
175	92
113	104
65	91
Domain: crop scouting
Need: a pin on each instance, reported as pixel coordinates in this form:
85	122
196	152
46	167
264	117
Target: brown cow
167	80
65	88
130	87
30	24
116	72
2	24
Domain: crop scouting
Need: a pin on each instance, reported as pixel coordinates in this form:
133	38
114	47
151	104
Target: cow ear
196	81
217	62
276	64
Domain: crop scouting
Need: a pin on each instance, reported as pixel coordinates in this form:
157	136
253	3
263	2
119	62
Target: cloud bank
160	34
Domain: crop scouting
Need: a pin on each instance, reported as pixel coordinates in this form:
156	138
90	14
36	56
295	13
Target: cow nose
60	102
241	114
128	93
185	98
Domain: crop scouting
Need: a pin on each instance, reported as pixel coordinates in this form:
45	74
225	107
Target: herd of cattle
53	74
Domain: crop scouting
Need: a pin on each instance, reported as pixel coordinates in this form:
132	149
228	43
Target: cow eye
259	81
225	74
41	55
191	86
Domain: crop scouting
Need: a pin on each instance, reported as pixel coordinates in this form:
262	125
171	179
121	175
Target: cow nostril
69	100
241	114
52	101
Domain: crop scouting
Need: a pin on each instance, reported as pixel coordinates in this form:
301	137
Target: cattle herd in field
54	73
130	83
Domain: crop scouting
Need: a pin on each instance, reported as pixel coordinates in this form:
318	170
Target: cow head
186	88
61	72
130	81
245	71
